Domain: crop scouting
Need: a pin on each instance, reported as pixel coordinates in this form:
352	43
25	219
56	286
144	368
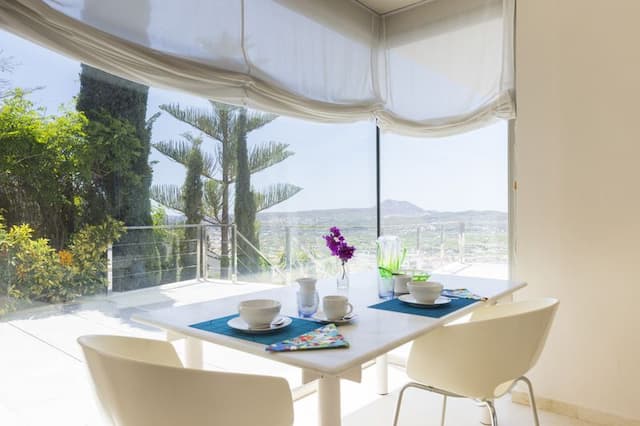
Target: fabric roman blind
441	67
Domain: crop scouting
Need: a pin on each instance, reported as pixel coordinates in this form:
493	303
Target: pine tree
220	168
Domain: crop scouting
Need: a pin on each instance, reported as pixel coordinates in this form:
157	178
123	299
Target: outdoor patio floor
43	379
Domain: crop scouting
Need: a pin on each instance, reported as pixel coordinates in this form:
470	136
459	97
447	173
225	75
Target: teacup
425	291
258	313
336	307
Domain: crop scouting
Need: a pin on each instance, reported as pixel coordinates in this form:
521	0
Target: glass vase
390	256
342	280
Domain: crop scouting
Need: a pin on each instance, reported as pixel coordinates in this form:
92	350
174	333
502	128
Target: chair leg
427	388
399	403
492	411
532	400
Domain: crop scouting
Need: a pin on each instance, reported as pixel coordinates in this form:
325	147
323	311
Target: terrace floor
43	379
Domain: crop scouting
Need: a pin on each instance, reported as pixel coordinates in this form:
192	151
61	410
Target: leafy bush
32	270
42	171
88	250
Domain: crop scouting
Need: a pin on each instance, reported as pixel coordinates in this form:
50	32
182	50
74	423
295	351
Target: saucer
238	324
321	317
409	299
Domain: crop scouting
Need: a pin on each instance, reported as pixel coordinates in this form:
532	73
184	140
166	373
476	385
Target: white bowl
425	291
258	313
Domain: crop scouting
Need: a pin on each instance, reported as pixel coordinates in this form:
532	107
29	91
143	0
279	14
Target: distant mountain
400	208
387	207
394	213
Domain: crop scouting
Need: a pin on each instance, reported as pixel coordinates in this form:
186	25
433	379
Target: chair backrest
141	382
482	357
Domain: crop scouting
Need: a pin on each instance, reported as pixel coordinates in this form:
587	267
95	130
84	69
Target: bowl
425	291
258	313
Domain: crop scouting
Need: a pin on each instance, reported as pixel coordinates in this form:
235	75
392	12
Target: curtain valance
441	67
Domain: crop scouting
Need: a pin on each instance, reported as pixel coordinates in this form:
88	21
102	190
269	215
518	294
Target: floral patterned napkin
461	293
321	338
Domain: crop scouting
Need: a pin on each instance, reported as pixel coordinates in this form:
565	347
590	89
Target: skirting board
574	411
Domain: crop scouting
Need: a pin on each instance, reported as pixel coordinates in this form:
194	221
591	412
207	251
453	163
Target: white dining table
371	334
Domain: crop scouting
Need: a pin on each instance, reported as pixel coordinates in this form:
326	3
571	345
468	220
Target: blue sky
334	163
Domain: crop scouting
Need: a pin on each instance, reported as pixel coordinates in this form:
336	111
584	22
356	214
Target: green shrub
88	249
34	271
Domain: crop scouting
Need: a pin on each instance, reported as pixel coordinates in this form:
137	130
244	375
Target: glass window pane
170	169
447	199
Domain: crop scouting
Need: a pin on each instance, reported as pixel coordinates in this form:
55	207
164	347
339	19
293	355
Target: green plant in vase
390	255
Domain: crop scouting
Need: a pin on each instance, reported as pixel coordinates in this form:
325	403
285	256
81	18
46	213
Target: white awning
441	67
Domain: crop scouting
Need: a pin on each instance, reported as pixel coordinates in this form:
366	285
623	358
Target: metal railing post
442	243
198	252
234	253
109	268
205	253
287	252
461	242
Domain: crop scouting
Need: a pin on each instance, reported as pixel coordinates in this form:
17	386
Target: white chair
484	357
141	382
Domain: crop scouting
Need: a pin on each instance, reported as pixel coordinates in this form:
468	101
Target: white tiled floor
43	381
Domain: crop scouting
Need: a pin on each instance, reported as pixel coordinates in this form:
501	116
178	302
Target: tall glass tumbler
390	256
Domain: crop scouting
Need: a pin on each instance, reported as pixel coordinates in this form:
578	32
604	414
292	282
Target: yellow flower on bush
66	257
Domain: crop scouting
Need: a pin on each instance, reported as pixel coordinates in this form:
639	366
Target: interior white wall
577	218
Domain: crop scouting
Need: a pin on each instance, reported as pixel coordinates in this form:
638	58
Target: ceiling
386	6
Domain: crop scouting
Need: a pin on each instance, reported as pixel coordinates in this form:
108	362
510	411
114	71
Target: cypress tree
192	199
116	109
244	205
121	176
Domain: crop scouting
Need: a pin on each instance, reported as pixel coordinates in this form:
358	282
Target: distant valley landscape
431	237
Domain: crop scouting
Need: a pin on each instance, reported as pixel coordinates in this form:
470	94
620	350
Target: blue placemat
396	305
219	325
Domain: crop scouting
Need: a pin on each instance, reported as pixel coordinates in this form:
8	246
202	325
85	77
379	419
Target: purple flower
338	245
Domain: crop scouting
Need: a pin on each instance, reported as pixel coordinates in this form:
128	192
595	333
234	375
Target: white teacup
336	307
258	313
425	291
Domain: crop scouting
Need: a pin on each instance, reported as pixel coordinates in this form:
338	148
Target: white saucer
320	316
238	323
409	299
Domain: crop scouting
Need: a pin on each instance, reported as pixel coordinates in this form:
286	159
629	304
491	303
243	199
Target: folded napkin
461	293
326	337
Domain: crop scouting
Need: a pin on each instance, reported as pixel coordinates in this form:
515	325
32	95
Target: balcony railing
153	255
433	246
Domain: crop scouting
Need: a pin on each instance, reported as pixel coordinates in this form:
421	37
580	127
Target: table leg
193	353
329	412
382	372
